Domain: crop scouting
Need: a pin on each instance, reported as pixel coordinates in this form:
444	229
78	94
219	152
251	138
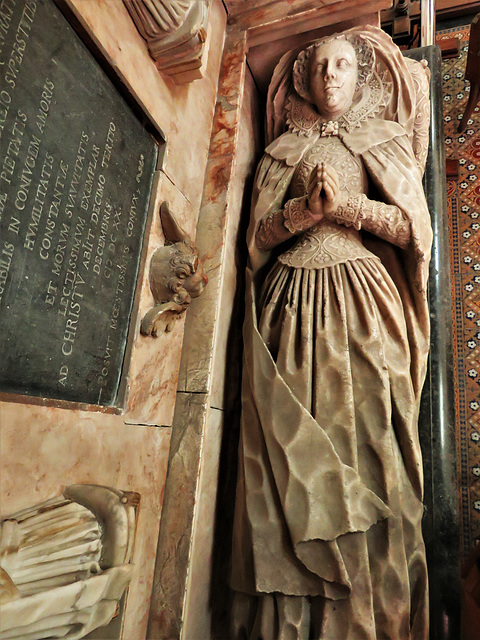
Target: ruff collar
303	119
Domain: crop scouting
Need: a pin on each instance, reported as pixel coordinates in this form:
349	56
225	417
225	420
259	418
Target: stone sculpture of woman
327	537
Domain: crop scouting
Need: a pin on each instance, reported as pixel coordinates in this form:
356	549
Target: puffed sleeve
272	180
394	170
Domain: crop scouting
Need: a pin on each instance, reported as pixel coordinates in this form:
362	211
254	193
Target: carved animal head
176	274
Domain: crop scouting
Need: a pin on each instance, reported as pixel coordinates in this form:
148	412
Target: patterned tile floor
464	218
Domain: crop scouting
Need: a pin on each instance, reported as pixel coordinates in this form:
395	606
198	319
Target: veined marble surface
210	371
50	448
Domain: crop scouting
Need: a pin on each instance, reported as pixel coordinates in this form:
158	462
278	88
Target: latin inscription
76	170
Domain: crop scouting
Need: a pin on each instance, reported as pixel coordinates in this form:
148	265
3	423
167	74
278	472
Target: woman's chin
333	111
333	114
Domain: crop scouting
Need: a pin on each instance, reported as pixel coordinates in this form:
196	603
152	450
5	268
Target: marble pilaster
174	542
207	397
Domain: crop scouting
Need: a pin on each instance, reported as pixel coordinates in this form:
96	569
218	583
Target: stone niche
191	596
180	407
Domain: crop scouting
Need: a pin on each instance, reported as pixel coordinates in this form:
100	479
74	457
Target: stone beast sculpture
176	276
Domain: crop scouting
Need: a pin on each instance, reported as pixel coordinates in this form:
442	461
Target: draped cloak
292	508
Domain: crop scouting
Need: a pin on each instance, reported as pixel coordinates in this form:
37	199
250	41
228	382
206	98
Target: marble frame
177	603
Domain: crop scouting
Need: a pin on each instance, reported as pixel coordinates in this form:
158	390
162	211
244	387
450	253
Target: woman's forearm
383	220
282	224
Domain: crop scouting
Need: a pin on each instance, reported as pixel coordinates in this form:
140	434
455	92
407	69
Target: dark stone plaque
76	171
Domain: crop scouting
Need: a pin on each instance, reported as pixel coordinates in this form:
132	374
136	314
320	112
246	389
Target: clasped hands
323	192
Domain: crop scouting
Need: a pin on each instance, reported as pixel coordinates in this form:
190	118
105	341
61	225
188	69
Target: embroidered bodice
328	242
329	149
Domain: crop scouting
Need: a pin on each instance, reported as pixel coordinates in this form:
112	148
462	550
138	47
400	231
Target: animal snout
196	283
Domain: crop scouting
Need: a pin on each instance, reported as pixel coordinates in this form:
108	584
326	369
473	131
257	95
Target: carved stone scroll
64	563
176	34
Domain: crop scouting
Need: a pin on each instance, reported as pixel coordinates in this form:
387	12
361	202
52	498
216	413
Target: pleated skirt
339	339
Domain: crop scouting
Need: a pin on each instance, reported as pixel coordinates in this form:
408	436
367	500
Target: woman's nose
329	71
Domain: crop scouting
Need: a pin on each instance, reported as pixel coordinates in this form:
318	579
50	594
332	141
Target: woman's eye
342	64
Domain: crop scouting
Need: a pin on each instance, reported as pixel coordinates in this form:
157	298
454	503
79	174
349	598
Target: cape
309	508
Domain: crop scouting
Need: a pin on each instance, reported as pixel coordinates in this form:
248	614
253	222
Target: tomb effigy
327	534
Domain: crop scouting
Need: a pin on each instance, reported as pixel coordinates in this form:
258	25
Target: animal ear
172	230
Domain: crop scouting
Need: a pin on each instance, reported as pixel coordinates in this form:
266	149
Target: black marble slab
437	415
76	171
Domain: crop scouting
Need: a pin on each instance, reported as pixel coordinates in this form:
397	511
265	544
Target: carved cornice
269	20
176	34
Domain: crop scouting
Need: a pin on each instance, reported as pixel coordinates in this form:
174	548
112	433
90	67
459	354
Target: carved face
333	77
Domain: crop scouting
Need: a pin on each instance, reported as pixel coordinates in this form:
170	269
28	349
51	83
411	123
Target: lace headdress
387	87
372	91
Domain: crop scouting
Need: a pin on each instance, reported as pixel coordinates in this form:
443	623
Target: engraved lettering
107	152
102	238
97	200
13	147
132	214
25	178
77	174
53	210
88	188
5	101
6	12
14	225
63	375
107	357
44	107
71	309
18	48
71	155
59	255
117	220
6	256
3	202
87	249
40	193
51	293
